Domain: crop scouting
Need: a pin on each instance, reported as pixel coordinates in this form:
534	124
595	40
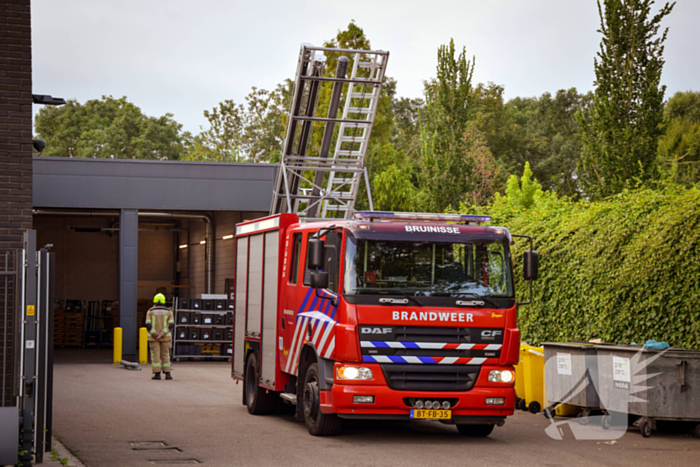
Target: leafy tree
108	128
523	193
253	132
679	147
620	137
406	129
544	131
393	179
446	175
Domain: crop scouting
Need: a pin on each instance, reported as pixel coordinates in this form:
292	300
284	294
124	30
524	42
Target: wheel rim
251	386
311	399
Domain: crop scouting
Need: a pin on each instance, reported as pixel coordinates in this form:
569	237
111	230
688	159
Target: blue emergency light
422	216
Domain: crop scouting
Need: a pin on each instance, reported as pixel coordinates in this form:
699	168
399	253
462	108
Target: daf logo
376	330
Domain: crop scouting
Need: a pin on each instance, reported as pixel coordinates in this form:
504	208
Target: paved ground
100	408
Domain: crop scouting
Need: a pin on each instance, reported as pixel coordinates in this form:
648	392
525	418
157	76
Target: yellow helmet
159	298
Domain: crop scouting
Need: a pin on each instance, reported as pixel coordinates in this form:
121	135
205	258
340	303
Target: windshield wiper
477	297
390	301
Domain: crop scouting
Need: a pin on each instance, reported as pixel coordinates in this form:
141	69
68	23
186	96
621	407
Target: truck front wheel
318	423
475	430
258	400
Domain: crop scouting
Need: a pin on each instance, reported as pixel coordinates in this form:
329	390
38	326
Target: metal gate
26	325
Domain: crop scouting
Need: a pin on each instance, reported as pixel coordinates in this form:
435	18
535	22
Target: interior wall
193	259
155	261
87	263
196	258
225	261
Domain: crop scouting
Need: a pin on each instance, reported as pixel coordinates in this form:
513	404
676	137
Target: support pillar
128	280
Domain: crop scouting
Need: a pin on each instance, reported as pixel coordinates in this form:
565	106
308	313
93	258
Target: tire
583	418
550	412
645	428
258	400
475	430
522	405
534	407
318	423
696	431
606	421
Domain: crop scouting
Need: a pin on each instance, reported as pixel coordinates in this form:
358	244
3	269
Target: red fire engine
368	315
388	315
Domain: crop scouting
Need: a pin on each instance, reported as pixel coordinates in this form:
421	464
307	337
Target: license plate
431	414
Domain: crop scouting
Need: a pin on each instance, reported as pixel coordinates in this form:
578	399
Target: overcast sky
184	57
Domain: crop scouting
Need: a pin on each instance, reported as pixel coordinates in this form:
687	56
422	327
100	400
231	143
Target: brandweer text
432	316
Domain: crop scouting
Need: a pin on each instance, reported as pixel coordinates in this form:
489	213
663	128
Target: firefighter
160	324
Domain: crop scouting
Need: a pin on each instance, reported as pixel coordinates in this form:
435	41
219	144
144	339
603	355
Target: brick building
15	165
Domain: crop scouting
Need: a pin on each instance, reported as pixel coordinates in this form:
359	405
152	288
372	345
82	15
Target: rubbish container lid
570	345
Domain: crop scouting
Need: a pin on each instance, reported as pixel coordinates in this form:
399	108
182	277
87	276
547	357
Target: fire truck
346	314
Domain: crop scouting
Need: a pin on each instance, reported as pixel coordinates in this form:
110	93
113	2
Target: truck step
289	397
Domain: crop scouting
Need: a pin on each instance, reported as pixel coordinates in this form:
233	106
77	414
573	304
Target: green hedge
624	270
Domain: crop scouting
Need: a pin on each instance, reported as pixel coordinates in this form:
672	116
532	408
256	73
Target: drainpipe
209	229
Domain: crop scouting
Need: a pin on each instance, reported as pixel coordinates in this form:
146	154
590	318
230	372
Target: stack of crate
59	324
110	313
73	318
142	307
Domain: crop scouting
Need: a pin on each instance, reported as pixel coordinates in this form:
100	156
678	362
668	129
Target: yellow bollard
117	345
143	346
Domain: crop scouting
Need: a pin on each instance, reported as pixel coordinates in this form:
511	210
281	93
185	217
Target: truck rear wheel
475	430
258	400
318	423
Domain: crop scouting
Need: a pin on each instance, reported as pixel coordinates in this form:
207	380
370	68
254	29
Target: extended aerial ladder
309	183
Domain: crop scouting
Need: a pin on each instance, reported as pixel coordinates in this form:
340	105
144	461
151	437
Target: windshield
431	269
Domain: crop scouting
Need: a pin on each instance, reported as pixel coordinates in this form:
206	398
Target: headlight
352	372
498	376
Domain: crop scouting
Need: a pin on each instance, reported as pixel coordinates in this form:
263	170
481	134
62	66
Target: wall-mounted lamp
227	237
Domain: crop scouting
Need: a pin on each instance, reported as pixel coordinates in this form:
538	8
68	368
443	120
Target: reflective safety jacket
159	317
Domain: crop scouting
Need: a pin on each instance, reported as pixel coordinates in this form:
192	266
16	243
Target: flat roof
61	182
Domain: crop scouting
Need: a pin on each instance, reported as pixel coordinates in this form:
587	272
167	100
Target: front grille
430	377
432	334
430	344
481	353
448	335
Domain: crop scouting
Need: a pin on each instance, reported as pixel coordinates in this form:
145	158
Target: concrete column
128	280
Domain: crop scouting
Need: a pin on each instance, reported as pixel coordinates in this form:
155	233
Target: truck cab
384	316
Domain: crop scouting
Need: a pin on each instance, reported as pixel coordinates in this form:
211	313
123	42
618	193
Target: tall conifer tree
446	171
621	134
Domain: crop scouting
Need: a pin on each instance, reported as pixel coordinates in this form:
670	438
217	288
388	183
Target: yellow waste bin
520	377
532	363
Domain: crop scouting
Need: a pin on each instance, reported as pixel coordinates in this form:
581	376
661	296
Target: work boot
167	376
156	375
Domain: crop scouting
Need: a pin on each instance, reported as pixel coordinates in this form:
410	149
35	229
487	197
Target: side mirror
314	254
319	280
531	265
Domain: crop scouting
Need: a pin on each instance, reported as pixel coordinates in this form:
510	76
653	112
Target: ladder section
353	138
310	181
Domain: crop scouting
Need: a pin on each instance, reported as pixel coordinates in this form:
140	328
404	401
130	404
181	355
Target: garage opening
182	254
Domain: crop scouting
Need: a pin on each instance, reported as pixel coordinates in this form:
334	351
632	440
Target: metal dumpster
571	374
650	384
